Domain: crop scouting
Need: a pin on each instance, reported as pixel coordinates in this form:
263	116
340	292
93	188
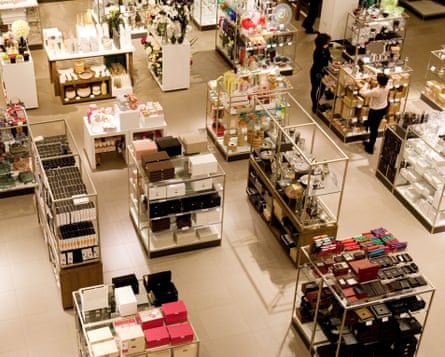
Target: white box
128	118
200	218
105	349
207	233
189	350
94	297
185	237
131	340
203	164
157	192
100	335
213	216
202	185
125	300
176	189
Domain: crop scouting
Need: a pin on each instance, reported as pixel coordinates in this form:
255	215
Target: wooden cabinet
85	90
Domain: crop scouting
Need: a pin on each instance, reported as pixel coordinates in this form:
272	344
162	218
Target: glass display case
233	119
296	178
134	14
375	36
181	213
204	14
16	171
433	92
67	208
340	310
100	326
348	110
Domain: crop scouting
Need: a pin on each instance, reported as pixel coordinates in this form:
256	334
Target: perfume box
100	335
202	165
131	340
105	349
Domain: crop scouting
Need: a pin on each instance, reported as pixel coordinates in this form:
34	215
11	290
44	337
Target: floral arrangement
169	19
20	28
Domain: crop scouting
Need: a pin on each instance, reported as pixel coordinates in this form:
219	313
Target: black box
160	288
169	144
124	280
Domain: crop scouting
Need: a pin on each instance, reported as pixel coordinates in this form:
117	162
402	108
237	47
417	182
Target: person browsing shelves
378	104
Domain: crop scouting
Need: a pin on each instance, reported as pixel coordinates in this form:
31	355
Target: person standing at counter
378	105
321	58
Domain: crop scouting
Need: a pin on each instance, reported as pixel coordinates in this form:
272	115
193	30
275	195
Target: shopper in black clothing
321	58
309	21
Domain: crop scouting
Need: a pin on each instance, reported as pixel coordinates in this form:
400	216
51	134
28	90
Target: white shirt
378	95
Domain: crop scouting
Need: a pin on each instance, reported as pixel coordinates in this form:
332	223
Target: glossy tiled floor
239	295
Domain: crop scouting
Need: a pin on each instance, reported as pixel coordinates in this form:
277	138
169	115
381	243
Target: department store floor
239	295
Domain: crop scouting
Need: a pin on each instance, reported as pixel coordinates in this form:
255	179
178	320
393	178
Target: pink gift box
180	333
150	318
144	146
174	312
157	336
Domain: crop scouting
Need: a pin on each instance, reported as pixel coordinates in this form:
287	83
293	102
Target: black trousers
317	89
308	22
374	119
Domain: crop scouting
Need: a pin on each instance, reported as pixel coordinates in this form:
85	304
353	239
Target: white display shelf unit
19	82
329	303
296	179
433	92
411	167
205	222
62	59
204	14
27	10
67	207
271	44
234	118
108	315
16	173
97	140
375	38
170	65
349	110
134	15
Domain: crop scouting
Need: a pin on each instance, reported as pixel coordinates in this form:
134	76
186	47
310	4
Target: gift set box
126	302
160	287
201	165
169	144
202	185
158	166
180	333
131	340
101	334
174	312
105	349
144	146
150	318
194	143
156	336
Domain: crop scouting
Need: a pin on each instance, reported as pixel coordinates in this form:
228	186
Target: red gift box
174	312
157	336
180	333
150	318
